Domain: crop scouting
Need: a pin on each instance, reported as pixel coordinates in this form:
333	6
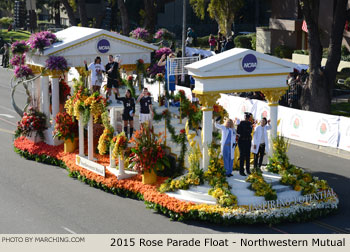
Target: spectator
221	42
190	36
229	44
172	79
212	42
5	51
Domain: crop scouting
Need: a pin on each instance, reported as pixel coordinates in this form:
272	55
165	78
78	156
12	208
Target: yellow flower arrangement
120	145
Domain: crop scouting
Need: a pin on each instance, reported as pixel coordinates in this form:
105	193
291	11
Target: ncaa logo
103	46
249	63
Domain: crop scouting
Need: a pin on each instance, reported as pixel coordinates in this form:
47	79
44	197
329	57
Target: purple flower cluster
56	63
161	51
23	71
40	40
155	69
159	34
140	33
19	47
18	59
164	34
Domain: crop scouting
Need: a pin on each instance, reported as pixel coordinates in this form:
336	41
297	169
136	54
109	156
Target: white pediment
239	70
77	44
230	63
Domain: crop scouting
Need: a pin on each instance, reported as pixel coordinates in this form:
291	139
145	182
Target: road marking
68	230
278	230
6	121
330	227
7	115
7	131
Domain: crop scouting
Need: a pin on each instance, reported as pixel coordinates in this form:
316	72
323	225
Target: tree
317	93
150	15
124	17
222	11
82	13
70	12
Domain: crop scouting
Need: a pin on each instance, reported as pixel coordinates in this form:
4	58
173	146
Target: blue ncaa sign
103	46
249	63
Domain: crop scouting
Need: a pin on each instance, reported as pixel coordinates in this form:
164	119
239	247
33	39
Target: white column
273	131
37	92
45	100
91	138
121	166
111	159
207	136
55	94
81	137
113	118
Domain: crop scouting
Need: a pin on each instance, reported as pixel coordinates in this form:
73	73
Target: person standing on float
113	76
171	86
228	141
96	69
146	110
128	112
244	131
260	142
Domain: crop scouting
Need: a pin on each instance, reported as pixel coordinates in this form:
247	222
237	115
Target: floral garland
216	176
32	121
65	127
194	175
85	103
120	145
261	187
64	90
190	110
175	209
105	139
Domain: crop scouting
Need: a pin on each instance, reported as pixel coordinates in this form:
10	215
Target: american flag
304	26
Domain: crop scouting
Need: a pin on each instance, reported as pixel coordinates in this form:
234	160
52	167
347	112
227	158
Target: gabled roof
229	63
75	35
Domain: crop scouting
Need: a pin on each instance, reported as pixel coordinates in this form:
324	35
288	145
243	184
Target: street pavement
41	199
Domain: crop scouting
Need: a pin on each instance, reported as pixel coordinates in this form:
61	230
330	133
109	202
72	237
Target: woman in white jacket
228	140
260	142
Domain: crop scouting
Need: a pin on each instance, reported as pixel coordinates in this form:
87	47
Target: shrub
6	21
344	51
202	42
243	41
253	36
283	51
347	82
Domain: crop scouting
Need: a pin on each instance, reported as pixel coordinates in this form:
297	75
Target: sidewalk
327	150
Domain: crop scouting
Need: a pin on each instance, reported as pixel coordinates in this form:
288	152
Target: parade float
175	166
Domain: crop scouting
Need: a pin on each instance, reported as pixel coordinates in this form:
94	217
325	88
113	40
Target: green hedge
243	41
6	21
283	51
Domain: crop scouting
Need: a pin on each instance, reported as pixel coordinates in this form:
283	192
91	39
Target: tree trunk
124	16
151	15
228	28
70	12
57	14
317	93
82	13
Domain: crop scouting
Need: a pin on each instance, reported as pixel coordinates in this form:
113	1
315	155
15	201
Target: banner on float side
344	133
311	127
236	106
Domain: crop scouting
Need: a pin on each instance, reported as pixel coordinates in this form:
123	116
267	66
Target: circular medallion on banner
323	126
103	46
249	63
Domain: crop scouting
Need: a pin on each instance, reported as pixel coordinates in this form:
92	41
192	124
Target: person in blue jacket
228	143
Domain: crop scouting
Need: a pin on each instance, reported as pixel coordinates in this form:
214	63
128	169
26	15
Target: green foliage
202	42
279	160
283	51
222	11
253	36
243	41
261	187
304	52
342	108
16	35
6	21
